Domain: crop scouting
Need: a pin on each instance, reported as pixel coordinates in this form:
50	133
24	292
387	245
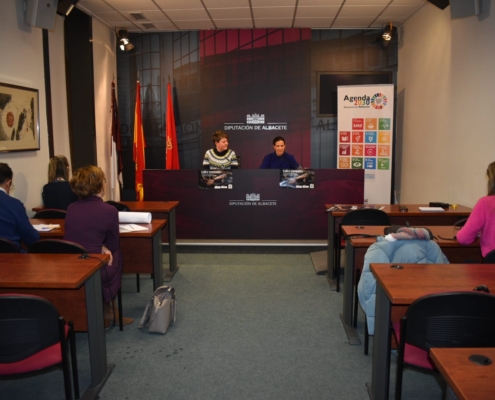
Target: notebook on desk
431	209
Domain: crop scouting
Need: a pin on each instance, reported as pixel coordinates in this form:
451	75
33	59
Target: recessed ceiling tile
382	21
243	23
194	25
273	23
184	15
178	4
367	2
360	23
226	3
360	11
273	12
94	6
313	22
226	13
320	3
273	3
409	2
399	11
317	12
132	5
162	26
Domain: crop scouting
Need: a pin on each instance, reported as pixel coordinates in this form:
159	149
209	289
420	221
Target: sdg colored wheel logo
378	101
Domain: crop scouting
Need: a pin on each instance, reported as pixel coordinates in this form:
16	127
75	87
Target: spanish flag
139	145
171	151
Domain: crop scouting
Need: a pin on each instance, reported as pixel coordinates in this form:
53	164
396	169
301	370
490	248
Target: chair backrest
28	324
456	319
8	246
56	246
51	213
489	258
366	216
118	206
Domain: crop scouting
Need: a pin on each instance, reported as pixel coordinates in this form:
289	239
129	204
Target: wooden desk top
141	206
152	228
403	286
393	210
151	206
469	381
443	231
48	271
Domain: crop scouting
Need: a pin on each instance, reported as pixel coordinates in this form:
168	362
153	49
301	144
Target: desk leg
158	276
348	300
331	251
100	370
380	370
172	245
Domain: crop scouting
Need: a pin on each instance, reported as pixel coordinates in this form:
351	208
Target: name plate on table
297	178
215	179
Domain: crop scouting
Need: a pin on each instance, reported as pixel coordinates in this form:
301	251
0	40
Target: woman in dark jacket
57	193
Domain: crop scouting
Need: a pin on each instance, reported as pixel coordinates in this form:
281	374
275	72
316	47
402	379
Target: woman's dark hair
219	135
278	139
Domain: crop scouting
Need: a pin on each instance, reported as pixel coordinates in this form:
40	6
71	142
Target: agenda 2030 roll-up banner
365	121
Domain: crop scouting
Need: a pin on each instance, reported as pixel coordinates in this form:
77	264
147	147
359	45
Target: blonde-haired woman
95	225
481	222
57	193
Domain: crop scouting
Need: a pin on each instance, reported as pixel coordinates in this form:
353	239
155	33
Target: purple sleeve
474	224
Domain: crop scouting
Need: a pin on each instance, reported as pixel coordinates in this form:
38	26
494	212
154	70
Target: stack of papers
46	227
431	209
131	228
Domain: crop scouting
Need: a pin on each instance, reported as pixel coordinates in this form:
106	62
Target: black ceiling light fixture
123	38
64	7
388	33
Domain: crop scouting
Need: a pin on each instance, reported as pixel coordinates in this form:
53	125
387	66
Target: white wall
446	103
22	64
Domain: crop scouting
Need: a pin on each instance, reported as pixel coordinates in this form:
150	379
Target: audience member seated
14	222
57	193
279	159
94	225
408	246
220	156
481	221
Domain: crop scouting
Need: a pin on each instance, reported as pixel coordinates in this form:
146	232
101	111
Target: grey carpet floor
249	326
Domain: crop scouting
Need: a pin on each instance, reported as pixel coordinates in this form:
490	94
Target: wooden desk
141	250
414	217
398	288
159	210
356	248
467	381
73	285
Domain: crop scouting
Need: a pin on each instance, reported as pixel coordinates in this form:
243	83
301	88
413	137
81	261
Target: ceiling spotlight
123	38
64	7
387	34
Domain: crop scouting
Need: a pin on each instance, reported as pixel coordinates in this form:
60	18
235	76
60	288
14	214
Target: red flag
171	151
139	145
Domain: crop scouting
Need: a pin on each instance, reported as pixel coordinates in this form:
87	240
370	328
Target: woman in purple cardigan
481	222
95	225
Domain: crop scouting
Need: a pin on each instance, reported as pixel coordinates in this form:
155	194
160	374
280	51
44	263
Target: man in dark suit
14	223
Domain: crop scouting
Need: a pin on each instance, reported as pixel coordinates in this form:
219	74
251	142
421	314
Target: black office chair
122	207
8	246
457	319
50	213
489	258
35	338
59	246
364	217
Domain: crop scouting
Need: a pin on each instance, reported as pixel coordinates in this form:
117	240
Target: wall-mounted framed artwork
19	118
